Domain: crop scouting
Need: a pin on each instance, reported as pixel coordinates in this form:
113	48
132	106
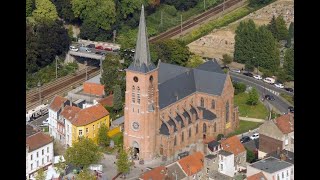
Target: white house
68	113
39	151
226	163
272	168
55	109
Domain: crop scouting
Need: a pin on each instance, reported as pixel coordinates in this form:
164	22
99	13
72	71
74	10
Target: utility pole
181	22
114	36
86	70
56	67
39	85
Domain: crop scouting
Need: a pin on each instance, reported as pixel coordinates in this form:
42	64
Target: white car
269	80
254	136
45	122
278	85
258	77
235	70
73	48
88	50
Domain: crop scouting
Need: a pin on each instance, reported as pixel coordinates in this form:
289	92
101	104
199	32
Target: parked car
235	70
269	80
100	53
289	89
291	109
269	97
245	139
254	136
88	50
248	74
279	85
91	46
73	48
258	77
99	47
108	49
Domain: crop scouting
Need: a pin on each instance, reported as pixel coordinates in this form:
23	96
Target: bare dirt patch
221	41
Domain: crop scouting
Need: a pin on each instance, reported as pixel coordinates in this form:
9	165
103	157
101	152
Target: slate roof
270	165
164	129
186	115
225	153
193	111
211	156
118	121
178	118
176	82
208	115
213	144
289	156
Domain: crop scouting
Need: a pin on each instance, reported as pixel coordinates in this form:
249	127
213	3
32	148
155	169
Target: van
269	80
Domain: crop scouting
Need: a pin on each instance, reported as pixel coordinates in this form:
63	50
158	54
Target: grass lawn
245	126
258	111
287	97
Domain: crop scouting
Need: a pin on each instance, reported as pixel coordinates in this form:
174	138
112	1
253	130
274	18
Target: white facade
53	123
39	158
283	174
226	164
68	132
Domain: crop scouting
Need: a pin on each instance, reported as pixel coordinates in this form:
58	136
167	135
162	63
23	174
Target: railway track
195	21
60	87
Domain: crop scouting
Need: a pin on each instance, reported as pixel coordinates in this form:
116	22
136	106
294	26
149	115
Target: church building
170	107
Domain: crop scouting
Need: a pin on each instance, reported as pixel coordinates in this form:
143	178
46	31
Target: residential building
170	107
86	122
283	155
272	168
192	165
215	175
276	134
233	145
212	146
226	163
66	116
39	151
258	176
55	108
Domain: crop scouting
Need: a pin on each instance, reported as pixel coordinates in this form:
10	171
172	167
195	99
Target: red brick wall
93	88
268	144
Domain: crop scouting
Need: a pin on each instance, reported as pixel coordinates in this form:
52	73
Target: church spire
142	60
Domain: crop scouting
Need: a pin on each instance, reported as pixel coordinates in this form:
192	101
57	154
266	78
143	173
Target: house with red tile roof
64	125
234	146
257	176
276	134
39	151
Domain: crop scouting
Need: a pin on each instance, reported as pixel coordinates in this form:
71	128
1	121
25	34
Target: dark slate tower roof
142	60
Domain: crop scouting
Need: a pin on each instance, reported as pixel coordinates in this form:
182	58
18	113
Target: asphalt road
278	103
38	122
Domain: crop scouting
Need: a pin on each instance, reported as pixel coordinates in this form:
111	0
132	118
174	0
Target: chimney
278	151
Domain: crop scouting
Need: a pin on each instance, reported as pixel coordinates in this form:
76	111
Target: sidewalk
251	119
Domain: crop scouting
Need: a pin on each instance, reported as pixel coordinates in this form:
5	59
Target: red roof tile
93	88
106	101
38	140
285	123
258	176
69	112
89	115
157	173
233	145
57	103
192	164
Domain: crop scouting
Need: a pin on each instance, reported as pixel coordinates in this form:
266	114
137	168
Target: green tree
253	97
226	59
219	137
83	153
45	12
194	61
239	87
291	30
61	166
111	75
30	6
128	7
282	76
281	28
117	98
101	12
103	138
89	30
85	175
250	156
272	26
64	9
288	64
123	164
249	66
41	175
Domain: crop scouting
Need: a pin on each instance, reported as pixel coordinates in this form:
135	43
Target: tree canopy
103	138
117	98
226	59
253	97
123	164
83	153
288	64
101	12
45	11
194	61
278	28
30	6
64	9
85	175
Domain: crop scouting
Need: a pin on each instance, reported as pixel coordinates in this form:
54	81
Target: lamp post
39	85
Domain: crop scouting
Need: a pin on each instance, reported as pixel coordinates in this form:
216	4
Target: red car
108	49
99	47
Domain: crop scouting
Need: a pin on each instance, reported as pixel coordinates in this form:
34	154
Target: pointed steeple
142	60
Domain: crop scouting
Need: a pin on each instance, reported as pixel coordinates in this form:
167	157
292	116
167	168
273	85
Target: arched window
227	111
182	137
175	141
204	128
189	132
202	102
213	104
197	129
150	93
138	95
215	127
133	95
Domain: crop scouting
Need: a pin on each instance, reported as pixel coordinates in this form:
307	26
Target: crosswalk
273	92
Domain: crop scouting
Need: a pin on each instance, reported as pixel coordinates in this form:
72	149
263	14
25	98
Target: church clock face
135	79
135	126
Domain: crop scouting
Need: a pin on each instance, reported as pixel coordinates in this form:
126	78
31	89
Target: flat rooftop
271	165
